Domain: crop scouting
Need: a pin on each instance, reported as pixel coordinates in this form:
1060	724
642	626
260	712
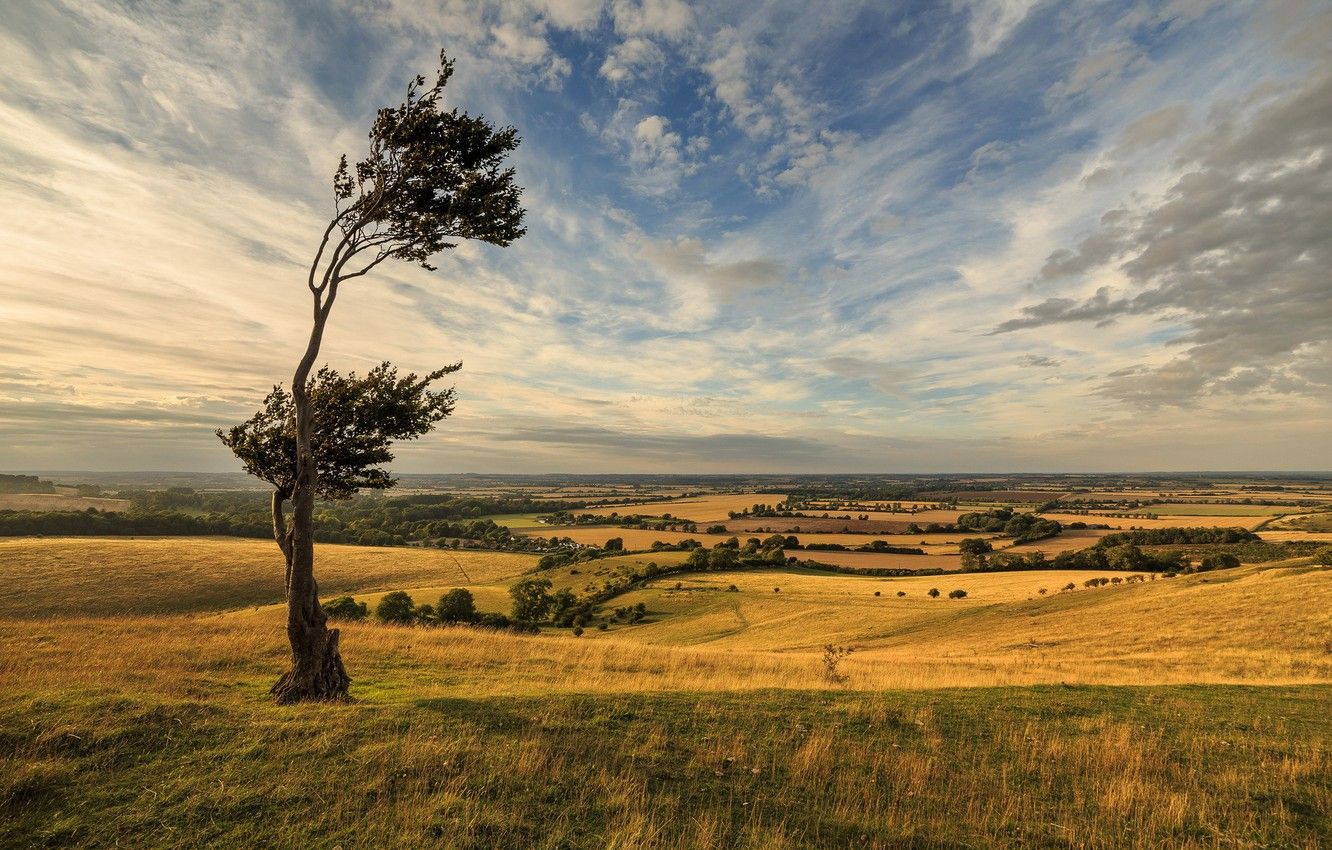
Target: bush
1219	561
957	594
877	593
901	593
732	589
396	607
457	606
716	529
577	631
346	608
494	621
934	593
1323	556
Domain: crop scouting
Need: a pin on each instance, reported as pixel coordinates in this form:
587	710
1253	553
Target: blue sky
993	235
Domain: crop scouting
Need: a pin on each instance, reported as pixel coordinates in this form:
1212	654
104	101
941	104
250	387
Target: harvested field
1069	540
58	502
1123	523
797	525
879	560
700	509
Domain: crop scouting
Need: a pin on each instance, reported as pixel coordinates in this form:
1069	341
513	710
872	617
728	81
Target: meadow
1185	712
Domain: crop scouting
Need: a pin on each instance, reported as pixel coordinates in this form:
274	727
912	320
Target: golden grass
879	560
154	730
115	575
1184	521
1069	540
59	502
700	509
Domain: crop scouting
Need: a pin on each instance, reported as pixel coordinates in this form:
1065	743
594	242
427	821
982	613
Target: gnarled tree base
317	674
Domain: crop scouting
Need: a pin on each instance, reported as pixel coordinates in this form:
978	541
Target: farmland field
712	508
58	502
880	560
1181	521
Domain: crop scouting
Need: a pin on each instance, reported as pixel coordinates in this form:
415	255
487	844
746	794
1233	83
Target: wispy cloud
773	235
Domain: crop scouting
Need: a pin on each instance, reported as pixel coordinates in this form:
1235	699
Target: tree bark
283	537
316	664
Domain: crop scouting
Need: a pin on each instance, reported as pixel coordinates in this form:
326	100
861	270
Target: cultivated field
701	509
1122	522
58	502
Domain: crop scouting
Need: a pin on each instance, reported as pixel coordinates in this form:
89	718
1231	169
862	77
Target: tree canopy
357	418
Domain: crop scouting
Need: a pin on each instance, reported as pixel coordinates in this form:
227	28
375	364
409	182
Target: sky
770	236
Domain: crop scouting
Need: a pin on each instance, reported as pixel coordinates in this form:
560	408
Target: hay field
1200	510
59	502
1068	540
1182	521
701	509
879	560
146	575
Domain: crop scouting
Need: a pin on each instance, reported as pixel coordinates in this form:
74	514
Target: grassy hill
142	720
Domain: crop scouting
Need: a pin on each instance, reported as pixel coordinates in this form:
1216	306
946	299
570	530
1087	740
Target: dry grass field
1182	713
701	509
124	575
1250	521
58	502
879	560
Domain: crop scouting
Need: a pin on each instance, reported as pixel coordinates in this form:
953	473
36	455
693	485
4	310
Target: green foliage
396	607
1168	536
1323	556
1219	561
356	420
531	599
346	608
431	176
975	546
456	606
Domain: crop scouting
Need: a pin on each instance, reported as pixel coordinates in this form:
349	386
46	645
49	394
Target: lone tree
431	177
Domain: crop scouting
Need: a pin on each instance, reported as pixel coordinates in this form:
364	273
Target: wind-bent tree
431	177
356	421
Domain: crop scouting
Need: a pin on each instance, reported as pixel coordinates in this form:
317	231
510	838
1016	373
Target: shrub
776	590
1323	556
732	589
832	659
603	625
1219	561
457	606
957	594
346	608
934	593
877	593
494	621
577	631
901	593
716	529
396	607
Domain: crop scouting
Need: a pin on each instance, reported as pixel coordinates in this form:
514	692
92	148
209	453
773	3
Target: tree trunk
283	537
316	665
